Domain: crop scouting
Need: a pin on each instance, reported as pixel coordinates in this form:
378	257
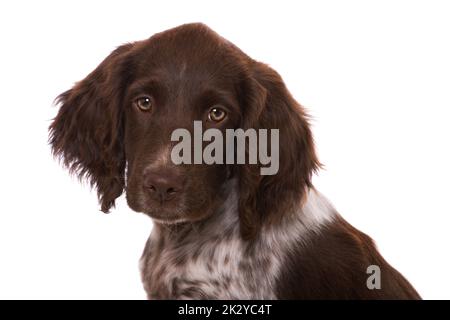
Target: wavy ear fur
269	105
87	133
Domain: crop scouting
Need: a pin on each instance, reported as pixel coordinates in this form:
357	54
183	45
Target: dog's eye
144	103
217	114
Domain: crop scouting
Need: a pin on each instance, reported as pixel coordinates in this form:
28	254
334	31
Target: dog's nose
162	185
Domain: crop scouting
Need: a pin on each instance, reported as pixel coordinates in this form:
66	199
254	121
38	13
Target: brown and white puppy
220	231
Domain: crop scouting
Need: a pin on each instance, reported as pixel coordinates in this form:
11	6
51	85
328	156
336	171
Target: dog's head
115	128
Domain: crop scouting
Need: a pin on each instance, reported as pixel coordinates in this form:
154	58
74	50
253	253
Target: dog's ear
87	133
269	105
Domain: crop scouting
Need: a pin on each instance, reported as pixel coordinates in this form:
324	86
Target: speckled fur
209	259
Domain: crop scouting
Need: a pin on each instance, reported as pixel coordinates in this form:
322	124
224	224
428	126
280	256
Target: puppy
221	230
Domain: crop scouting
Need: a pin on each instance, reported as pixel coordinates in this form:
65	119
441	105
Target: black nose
162	185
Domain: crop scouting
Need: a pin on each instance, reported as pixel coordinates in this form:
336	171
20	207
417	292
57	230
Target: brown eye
144	103
217	114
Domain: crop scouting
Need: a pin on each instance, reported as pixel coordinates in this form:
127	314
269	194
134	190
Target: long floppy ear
87	133
269	105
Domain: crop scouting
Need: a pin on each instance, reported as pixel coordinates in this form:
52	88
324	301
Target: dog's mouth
173	214
181	209
169	221
164	213
176	216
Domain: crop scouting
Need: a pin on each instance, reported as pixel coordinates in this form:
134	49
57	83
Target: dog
220	231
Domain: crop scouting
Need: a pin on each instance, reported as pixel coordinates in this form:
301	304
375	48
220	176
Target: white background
374	75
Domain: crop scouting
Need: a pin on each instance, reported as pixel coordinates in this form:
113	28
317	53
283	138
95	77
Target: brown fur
333	266
99	134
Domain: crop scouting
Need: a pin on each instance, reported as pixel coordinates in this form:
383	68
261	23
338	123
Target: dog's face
115	126
181	78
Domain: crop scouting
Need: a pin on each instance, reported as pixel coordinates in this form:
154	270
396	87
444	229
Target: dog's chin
164	215
167	214
175	215
171	213
170	221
